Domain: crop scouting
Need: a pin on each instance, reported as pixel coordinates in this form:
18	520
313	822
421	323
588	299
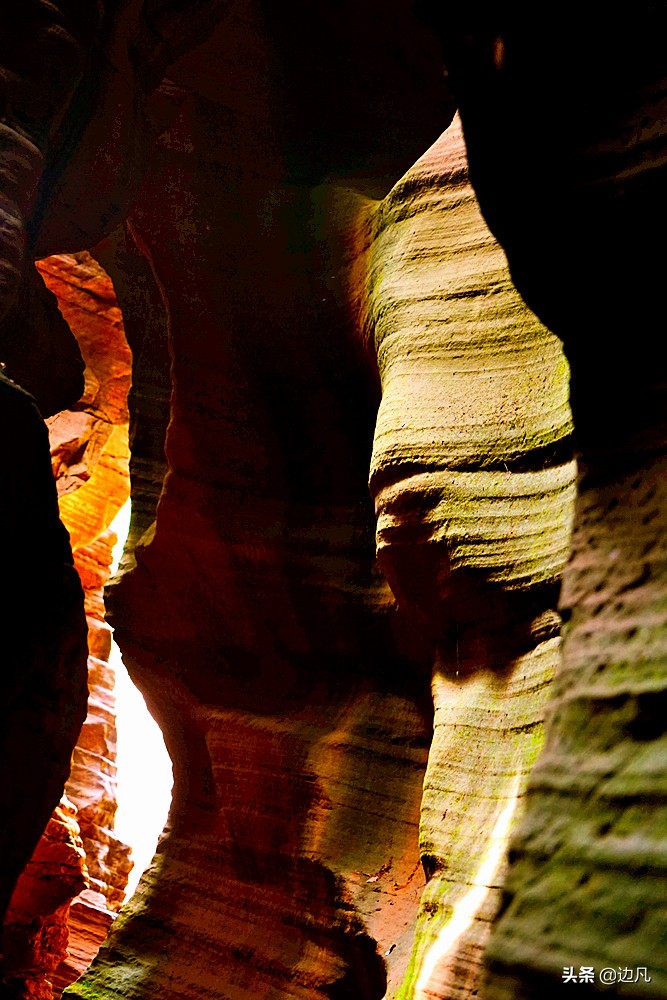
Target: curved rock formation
311	828
587	157
78	855
291	683
35	935
44	640
90	454
474	489
586	885
43	51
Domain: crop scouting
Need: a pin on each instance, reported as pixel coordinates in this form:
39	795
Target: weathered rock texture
90	463
44	640
145	325
474	489
587	155
587	882
292	690
90	453
82	434
35	936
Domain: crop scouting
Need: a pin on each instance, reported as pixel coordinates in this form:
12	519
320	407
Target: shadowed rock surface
300	291
569	170
79	861
44	653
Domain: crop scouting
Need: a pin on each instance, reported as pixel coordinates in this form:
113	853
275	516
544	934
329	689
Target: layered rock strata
474	490
300	736
145	324
586	887
90	454
35	935
267	503
587	156
280	209
90	464
44	655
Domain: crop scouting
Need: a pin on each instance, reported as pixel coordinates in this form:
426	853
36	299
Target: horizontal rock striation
586	886
44	653
35	936
79	434
291	683
90	455
90	464
299	732
474	490
255	620
587	157
145	323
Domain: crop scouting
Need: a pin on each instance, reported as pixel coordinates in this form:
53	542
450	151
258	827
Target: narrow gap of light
144	772
469	905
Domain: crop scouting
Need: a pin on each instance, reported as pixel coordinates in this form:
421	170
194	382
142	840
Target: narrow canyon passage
144	778
293	692
340	340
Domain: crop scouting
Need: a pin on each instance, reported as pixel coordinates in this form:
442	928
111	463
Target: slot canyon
359	305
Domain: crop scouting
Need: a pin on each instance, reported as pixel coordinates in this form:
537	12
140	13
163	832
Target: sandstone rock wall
35	932
473	479
87	865
90	450
44	678
587	157
299	732
291	683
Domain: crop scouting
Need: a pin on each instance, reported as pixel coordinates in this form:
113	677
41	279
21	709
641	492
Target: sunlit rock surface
293	693
291	684
91	468
564	119
90	461
586	885
474	490
35	934
44	652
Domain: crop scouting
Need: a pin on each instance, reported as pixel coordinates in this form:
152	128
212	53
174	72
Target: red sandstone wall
68	896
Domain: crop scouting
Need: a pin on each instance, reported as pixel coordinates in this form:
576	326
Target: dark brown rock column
43	47
47	942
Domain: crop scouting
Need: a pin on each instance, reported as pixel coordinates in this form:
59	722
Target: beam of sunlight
121	526
144	772
469	905
145	777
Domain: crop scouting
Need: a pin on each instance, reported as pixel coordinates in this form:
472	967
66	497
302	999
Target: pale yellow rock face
474	492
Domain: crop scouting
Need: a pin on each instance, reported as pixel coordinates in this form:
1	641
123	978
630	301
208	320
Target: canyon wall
89	446
587	157
292	690
74	884
341	722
